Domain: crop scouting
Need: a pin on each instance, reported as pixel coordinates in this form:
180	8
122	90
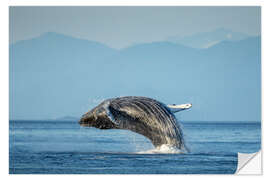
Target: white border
4	75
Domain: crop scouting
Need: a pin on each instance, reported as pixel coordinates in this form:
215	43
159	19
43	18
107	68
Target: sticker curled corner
249	164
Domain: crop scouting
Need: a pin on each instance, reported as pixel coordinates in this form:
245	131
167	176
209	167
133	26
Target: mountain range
208	39
55	75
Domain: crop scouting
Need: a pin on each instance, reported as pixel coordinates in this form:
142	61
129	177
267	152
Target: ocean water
51	147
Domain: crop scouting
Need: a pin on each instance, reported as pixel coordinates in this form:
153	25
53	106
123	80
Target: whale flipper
110	115
176	108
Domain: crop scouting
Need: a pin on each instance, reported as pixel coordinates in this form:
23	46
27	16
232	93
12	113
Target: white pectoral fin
176	108
109	114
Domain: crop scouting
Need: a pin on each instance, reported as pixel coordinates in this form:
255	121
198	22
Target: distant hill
55	75
208	39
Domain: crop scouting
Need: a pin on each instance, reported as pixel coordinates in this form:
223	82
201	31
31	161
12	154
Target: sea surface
62	147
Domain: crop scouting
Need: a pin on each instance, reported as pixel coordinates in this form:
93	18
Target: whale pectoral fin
116	115
129	119
122	116
176	108
111	117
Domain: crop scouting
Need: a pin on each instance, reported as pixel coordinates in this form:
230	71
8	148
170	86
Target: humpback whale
142	115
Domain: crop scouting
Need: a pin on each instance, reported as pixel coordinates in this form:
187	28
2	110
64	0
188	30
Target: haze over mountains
208	39
56	75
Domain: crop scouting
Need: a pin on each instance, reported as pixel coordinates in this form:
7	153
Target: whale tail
176	108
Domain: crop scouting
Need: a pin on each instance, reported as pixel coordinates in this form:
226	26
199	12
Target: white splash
163	149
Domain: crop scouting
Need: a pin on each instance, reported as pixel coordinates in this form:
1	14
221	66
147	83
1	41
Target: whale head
98	118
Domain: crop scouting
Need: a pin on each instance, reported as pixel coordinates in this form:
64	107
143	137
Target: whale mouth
87	124
97	123
84	123
87	120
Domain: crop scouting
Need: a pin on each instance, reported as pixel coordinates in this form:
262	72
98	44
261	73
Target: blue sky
120	27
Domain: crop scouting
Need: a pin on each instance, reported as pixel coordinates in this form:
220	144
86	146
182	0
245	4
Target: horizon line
185	121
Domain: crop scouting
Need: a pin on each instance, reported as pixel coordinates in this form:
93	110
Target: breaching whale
142	115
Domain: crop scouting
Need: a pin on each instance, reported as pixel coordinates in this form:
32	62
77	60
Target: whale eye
98	111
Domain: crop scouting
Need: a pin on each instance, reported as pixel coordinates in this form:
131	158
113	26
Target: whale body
142	115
